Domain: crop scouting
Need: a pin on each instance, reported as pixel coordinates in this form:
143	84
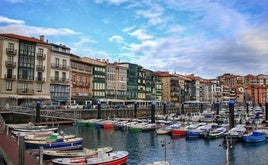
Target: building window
8	86
26	62
40	52
57	60
39	76
24	87
11	46
40	63
56	76
9	73
74	77
39	87
64	63
63	76
10	59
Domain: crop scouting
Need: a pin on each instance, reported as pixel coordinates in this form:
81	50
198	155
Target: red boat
113	158
178	132
108	125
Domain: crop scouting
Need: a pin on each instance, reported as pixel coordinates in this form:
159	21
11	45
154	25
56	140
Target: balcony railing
58	66
41	56
10	64
59	80
10	77
25	91
40	68
40	79
11	51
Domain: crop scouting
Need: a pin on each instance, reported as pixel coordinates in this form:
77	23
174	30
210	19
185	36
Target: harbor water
145	147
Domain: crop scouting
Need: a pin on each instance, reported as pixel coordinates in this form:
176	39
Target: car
51	105
119	106
103	106
73	106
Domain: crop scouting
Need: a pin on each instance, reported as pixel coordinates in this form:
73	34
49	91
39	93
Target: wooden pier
10	150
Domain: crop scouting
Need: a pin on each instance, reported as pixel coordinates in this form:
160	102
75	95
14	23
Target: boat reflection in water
147	147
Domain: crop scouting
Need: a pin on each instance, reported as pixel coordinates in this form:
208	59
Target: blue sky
203	37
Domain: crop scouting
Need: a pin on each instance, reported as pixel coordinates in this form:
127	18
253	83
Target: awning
61	99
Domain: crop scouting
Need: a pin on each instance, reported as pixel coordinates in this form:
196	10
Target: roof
24	38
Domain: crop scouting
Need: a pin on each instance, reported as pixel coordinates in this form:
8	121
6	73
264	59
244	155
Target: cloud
116	2
10	21
139	34
16	1
117	39
19	27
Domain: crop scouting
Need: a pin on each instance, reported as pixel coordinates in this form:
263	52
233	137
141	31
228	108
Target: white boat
85	152
113	158
162	131
236	132
158	163
217	132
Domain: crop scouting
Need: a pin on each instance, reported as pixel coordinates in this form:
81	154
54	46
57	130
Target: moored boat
236	132
162	131
85	152
158	163
254	137
200	131
81	123
113	158
216	133
48	144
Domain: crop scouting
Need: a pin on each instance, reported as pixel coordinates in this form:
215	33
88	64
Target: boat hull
190	134
113	159
178	132
54	145
255	137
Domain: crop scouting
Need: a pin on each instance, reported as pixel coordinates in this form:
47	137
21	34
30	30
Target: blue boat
254	137
57	144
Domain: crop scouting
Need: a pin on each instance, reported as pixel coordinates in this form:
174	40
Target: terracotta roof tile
24	38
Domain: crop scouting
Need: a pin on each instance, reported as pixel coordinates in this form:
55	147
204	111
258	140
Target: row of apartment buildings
33	69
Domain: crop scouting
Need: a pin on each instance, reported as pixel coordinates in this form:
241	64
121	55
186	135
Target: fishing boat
254	137
200	131
58	143
81	123
162	131
36	129
108	124
32	134
216	133
182	130
113	158
85	152
236	132
52	137
158	163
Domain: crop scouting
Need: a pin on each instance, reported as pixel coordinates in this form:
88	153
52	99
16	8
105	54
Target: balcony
40	68
10	64
11	51
59	80
41	56
58	66
81	83
25	91
87	84
10	77
40	79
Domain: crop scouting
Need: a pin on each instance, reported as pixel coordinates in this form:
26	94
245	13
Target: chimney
42	37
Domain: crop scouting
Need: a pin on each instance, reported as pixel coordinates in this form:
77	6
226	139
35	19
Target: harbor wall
92	113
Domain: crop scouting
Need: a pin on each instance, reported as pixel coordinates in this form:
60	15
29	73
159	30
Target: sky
206	38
